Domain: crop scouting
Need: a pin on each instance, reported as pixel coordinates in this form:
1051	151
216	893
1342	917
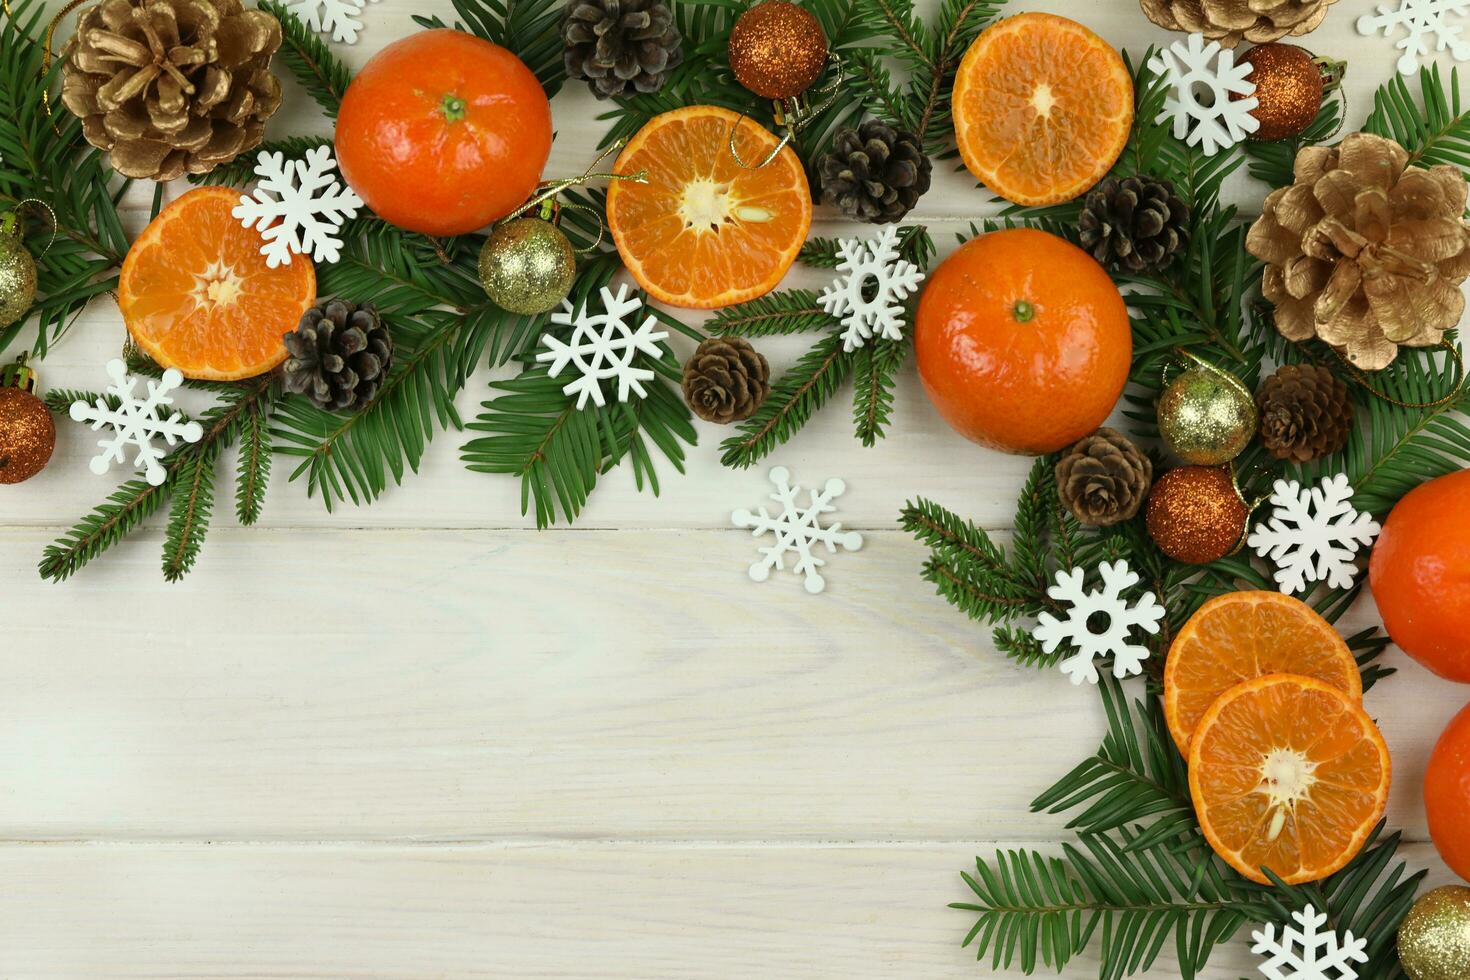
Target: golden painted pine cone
170	87
1305	413
1231	21
1104	478
1364	251
726	380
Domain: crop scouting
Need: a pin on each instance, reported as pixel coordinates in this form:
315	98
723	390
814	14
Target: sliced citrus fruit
1290	774
1042	108
1241	635
197	295
705	231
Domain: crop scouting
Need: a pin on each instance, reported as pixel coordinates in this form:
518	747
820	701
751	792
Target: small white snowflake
308	209
339	18
1307	953
1202	78
796	529
1313	534
603	346
874	266
1113	615
1423	21
135	422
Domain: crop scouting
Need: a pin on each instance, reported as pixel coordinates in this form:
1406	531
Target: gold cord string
793	115
1361	377
46	56
52	214
547	191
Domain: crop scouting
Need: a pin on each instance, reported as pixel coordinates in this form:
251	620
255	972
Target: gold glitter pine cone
1231	21
1305	412
170	87
1364	251
1104	479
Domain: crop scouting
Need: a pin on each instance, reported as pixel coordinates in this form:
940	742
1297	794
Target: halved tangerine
1242	635
705	231
1042	108
197	295
1290	774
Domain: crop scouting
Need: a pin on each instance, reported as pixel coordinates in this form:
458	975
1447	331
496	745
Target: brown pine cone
726	380
1305	413
340	355
874	173
621	47
1104	478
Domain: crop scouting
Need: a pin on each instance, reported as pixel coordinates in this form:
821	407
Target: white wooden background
424	739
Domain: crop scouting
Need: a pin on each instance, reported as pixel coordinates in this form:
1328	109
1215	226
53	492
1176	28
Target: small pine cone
340	354
1137	224
1305	413
874	173
726	380
1104	478
617	45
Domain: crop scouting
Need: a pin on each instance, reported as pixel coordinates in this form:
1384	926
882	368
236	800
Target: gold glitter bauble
777	49
1206	416
527	266
17	273
1434	938
27	434
1289	89
1195	514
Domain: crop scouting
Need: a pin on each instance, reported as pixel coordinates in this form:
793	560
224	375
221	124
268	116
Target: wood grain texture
599	909
442	744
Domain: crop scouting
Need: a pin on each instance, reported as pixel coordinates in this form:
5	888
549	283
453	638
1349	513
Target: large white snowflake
1099	622
1308	952
298	206
869	298
1204	81
603	346
1313	534
796	529
1423	21
136	422
339	18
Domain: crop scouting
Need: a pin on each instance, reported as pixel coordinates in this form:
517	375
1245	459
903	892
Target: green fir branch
253	470
324	76
793	401
189	512
875	377
1434	128
788	312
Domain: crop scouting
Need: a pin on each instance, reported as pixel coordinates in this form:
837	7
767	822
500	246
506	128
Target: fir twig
319	71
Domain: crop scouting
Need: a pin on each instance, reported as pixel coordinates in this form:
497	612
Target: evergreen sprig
44	157
821	371
321	73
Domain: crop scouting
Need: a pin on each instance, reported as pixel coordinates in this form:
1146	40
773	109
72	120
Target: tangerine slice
1242	635
1290	774
1042	108
705	232
197	295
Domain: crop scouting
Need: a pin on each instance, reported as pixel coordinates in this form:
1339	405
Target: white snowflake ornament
136	422
1313	534
340	18
603	346
1114	615
796	529
1423	21
298	206
1308	952
1204	79
871	266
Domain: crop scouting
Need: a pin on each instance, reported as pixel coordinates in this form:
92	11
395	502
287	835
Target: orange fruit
1242	635
196	293
443	132
1447	794
1420	575
705	232
1290	774
1023	341
1042	108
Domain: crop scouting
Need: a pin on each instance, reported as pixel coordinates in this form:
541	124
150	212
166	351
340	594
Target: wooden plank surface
439	743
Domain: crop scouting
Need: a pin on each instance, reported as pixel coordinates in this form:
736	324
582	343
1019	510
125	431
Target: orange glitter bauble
27	434
1289	89
777	49
1195	514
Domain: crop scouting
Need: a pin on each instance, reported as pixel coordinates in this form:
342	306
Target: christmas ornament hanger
792	115
12	218
544	201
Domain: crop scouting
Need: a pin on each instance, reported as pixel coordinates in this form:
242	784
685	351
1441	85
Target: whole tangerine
1420	575
1023	341
443	132
1447	794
